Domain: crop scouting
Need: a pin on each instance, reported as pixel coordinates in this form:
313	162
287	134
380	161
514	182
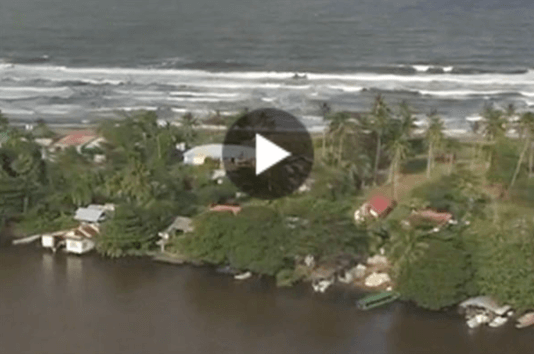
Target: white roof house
90	215
198	154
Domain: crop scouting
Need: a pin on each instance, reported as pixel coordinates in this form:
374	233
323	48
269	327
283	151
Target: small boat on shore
243	276
376	300
525	320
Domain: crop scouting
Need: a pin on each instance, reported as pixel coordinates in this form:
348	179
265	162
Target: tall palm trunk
395	179
377	158
518	166
530	161
340	151
324	143
429	160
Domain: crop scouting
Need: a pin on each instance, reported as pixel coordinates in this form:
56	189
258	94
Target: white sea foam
57	109
22	92
459	93
202	99
345	88
421	68
203	94
16	112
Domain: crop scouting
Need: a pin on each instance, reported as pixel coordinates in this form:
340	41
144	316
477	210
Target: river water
68	304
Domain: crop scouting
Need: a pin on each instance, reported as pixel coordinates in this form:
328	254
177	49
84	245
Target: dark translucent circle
280	128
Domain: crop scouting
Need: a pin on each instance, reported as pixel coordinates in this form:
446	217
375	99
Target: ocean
68	61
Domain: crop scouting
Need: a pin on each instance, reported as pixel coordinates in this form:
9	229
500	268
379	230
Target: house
235	209
53	240
377	207
198	154
76	139
94	213
438	219
81	239
180	224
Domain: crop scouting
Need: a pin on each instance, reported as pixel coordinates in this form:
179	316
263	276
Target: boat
243	276
227	270
525	320
498	321
376	300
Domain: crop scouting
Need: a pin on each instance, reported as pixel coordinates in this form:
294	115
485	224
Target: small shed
180	223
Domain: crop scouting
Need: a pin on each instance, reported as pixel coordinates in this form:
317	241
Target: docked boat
376	300
525	320
243	276
498	321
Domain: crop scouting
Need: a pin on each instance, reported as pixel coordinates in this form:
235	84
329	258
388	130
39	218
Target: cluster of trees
142	175
363	144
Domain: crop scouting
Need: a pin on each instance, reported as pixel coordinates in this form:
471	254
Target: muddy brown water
79	305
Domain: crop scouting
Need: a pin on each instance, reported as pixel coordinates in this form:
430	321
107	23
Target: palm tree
475	129
407	245
434	138
340	126
398	149
325	111
4	122
407	119
189	124
526	123
451	146
494	127
379	119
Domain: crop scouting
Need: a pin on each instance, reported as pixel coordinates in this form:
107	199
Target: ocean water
72	60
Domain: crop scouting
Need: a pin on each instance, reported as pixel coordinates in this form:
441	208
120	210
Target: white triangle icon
268	154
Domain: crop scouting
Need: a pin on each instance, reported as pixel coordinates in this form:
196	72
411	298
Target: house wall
79	246
47	241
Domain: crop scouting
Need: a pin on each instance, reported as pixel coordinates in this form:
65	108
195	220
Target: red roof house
377	206
75	139
436	217
225	207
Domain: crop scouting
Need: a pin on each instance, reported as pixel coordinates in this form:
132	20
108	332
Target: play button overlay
268	154
282	156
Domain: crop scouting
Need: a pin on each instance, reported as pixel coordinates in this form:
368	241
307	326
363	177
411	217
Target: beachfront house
199	154
377	207
81	239
181	224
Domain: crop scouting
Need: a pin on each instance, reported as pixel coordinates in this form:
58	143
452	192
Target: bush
504	160
503	256
442	277
254	240
132	229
